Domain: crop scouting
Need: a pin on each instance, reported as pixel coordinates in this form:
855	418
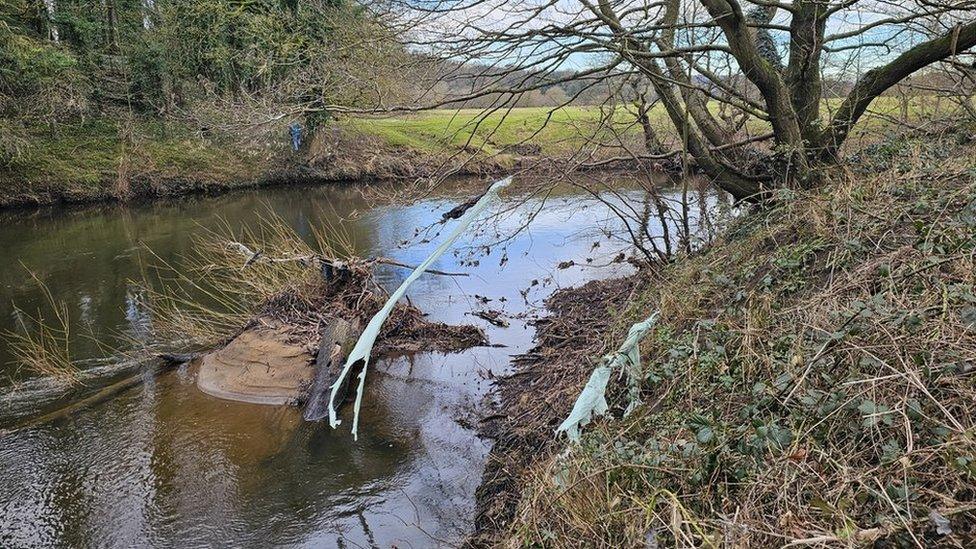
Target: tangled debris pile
540	393
273	358
351	294
267	293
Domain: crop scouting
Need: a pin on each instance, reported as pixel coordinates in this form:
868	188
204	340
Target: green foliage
27	64
88	161
160	57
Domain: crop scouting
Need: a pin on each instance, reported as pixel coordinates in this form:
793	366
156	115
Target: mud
259	366
540	392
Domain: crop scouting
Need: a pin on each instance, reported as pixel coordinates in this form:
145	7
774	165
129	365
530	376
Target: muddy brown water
162	464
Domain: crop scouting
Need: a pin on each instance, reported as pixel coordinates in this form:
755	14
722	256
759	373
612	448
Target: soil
259	366
538	395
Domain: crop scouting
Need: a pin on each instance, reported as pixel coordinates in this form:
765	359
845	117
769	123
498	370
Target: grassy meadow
561	130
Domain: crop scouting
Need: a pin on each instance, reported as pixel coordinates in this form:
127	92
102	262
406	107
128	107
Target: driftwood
328	267
101	395
175	359
337	339
492	316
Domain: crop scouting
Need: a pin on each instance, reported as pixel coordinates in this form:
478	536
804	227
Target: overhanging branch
878	80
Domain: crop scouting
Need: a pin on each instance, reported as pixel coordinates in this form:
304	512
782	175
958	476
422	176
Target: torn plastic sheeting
592	400
364	346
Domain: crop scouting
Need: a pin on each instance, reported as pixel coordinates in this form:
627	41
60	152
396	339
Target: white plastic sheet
592	401
364	346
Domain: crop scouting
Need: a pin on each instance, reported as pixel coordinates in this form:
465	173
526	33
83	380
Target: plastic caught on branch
592	401
364	346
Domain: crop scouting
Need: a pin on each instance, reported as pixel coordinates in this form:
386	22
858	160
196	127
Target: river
162	464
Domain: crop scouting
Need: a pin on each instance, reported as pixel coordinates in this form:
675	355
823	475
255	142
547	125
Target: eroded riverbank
171	161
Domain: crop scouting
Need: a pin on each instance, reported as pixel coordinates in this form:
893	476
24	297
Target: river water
162	464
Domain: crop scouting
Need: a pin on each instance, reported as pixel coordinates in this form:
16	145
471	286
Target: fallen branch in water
364	346
493	317
256	256
394	263
159	366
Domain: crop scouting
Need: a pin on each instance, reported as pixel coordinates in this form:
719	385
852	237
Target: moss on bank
810	381
105	159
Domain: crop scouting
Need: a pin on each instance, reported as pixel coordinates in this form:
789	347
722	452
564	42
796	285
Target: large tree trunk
761	72
731	181
803	70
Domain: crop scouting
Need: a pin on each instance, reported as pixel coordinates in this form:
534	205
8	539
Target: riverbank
417	446
108	160
810	380
123	159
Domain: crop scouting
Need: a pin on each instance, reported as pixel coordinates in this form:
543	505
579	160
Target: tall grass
42	346
229	275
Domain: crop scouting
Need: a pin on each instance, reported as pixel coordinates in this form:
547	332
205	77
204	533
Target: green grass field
554	130
566	129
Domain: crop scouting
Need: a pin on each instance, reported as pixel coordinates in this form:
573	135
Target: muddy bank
540	392
341	155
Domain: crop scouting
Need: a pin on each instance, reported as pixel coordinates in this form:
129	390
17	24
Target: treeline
211	60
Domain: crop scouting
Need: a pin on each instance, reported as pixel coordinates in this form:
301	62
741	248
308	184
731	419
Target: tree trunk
337	339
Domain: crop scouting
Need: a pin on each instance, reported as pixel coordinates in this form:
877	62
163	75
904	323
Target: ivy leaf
705	435
968	316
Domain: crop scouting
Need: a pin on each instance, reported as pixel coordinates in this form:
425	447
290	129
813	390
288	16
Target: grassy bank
121	158
809	383
568	129
110	159
554	132
107	159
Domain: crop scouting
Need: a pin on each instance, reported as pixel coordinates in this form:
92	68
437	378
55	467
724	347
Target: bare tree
781	63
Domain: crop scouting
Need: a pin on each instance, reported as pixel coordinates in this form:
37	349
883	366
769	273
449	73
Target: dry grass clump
45	350
227	277
810	382
234	280
44	347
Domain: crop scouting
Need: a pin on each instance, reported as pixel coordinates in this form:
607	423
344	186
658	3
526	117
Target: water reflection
163	464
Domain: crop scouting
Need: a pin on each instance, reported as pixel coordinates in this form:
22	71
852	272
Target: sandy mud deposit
304	333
